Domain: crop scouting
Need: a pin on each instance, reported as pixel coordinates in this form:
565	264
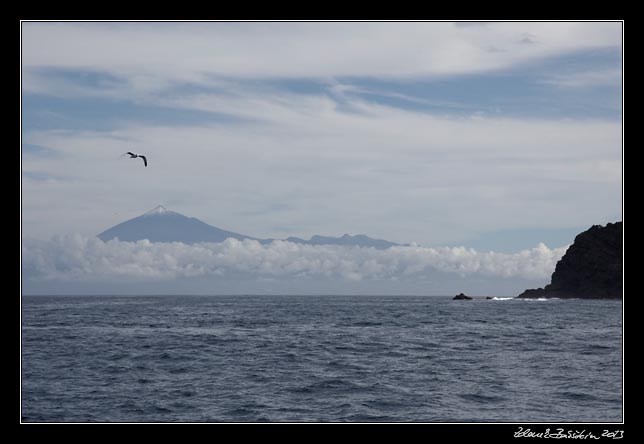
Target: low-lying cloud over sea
79	258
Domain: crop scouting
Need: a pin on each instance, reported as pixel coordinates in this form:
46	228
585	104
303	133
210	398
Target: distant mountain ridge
359	240
163	225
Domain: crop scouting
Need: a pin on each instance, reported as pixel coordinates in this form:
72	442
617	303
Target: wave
521	299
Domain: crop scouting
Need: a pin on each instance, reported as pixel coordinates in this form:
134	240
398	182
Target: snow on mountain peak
159	209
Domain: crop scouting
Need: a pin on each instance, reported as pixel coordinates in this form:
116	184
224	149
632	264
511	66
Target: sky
501	137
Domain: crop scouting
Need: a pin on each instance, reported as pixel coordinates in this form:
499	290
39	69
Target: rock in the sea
590	269
461	297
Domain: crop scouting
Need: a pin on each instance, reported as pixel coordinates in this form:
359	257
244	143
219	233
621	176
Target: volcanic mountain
162	225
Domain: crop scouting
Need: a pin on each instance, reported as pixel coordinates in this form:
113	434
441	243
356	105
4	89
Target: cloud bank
83	258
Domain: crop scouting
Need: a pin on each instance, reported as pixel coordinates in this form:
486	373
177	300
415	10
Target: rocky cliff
590	269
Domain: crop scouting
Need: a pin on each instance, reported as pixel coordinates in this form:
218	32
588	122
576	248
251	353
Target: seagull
134	156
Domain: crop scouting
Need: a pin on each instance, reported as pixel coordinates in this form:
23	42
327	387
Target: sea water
319	359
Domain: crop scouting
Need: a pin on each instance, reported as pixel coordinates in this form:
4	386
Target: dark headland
590	269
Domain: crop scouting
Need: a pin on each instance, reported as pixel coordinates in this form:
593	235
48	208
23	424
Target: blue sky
495	136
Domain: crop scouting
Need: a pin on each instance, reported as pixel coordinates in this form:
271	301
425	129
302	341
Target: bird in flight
134	156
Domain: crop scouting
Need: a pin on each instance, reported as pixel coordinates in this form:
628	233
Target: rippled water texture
290	358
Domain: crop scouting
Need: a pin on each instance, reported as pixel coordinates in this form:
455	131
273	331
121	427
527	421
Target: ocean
319	359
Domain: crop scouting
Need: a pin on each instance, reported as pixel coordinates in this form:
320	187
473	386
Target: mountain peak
163	225
159	209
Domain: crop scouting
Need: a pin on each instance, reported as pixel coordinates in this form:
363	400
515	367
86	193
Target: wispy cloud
528	39
81	258
586	79
29	150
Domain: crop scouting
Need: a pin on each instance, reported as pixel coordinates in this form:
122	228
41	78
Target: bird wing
130	153
145	161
